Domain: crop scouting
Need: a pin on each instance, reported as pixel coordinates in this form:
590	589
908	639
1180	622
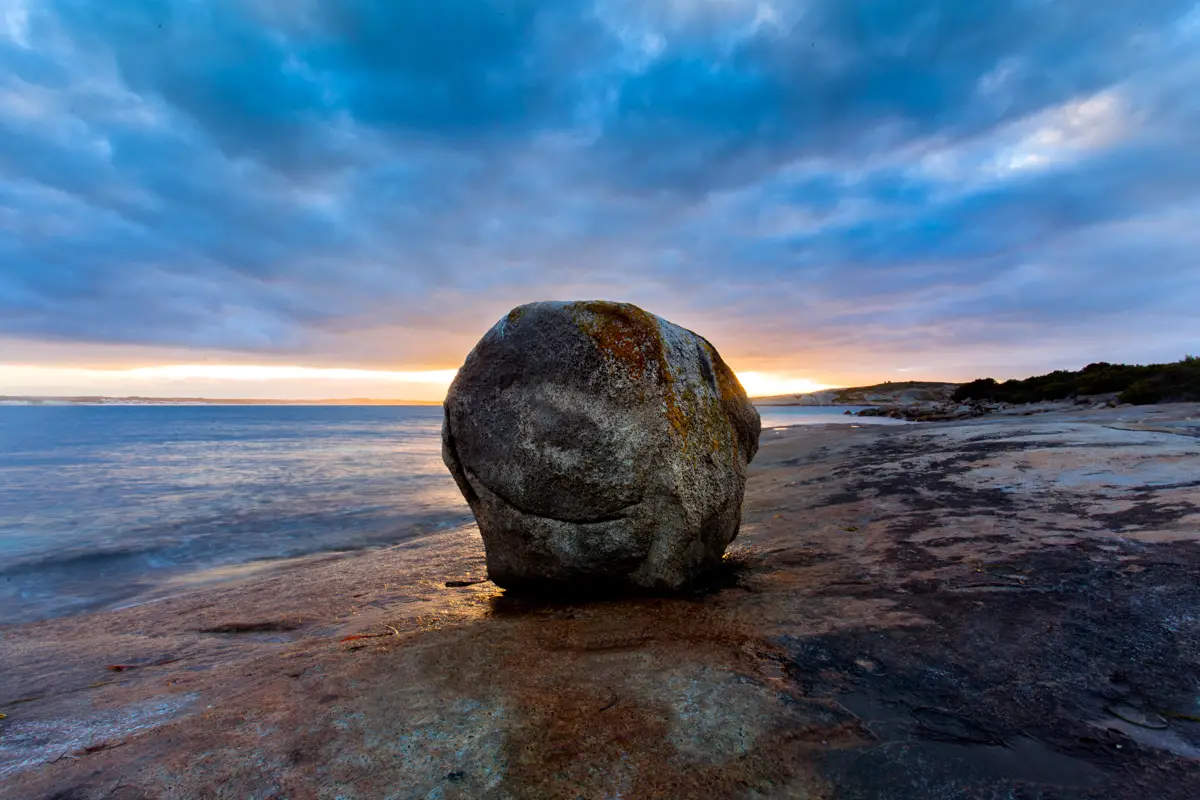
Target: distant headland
1098	384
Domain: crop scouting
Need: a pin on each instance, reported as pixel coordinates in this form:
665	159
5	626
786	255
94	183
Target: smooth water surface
98	504
787	416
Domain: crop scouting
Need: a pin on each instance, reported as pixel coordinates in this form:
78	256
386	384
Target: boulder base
601	448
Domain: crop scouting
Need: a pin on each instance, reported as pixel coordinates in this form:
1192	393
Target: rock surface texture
1002	607
600	448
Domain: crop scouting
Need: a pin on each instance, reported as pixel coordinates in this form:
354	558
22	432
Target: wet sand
1004	607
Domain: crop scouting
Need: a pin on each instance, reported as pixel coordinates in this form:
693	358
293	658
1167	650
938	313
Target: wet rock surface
600	447
1025	681
1002	608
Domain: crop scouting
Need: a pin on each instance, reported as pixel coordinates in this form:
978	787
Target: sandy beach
1000	607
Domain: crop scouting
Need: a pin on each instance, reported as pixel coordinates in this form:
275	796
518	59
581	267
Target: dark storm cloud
849	77
299	177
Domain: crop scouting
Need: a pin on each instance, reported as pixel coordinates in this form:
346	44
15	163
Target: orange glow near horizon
247	372
767	384
227	381
282	382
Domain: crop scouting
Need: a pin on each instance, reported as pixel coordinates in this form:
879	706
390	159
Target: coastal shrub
1141	393
1134	383
978	389
1178	382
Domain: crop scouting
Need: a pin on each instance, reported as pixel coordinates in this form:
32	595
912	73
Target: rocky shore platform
950	411
1001	607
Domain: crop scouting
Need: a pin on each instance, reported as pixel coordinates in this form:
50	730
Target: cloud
846	80
823	184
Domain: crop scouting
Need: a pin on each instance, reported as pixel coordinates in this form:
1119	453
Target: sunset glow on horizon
252	372
766	384
275	382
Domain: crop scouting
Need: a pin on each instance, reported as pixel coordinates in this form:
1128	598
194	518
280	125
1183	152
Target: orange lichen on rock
632	338
676	416
729	387
626	333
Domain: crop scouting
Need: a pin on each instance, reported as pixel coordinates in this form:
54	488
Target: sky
293	198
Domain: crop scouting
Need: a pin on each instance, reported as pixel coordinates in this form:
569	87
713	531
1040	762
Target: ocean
100	505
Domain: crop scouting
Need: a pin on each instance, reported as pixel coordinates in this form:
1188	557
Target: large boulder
601	448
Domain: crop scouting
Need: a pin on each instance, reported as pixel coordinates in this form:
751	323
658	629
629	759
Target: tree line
1140	384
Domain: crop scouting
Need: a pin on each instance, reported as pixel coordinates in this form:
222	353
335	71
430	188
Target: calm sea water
99	504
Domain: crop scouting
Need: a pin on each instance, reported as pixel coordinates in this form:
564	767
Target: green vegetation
1135	383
